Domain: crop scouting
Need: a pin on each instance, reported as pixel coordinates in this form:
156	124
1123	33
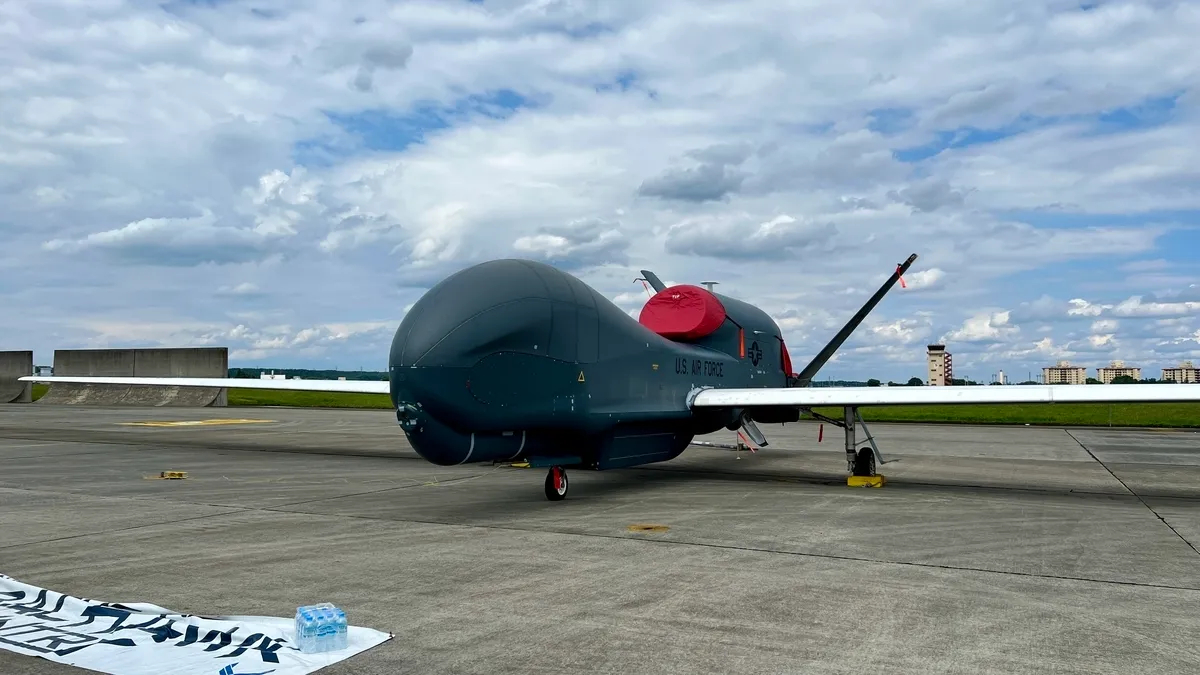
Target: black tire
551	493
864	463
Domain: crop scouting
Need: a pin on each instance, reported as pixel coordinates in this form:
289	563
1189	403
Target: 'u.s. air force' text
699	367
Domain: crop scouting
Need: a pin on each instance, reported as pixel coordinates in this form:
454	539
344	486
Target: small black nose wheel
556	484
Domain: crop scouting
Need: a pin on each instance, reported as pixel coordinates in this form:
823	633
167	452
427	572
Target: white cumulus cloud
319	167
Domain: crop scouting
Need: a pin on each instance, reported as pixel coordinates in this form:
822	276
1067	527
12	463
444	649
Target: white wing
1017	393
339	386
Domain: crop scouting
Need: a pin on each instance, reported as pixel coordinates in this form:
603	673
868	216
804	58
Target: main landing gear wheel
556	484
864	462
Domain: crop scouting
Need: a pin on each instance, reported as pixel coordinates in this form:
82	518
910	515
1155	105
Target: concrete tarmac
990	550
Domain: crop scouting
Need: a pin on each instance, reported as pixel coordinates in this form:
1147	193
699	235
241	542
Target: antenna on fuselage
709	285
804	378
655	283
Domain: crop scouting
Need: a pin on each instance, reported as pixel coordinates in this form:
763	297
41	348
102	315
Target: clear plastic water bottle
321	628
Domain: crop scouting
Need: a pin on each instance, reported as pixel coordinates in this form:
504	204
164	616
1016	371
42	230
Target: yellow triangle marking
580	376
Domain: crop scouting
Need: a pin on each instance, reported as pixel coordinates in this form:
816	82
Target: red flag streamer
902	284
820	433
749	445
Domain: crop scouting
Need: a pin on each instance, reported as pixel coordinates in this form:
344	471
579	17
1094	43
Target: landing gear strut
859	461
556	484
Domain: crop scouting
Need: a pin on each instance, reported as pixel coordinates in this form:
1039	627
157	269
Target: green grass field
308	399
1052	414
289	399
1064	414
1059	414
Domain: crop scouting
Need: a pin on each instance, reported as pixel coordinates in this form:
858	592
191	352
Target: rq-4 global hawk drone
517	361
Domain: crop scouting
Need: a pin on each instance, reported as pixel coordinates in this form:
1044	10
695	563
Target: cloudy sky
285	177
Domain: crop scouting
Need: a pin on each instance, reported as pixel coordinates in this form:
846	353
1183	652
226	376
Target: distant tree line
309	374
918	382
837	383
375	375
1128	379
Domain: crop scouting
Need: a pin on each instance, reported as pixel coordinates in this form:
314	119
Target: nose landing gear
556	484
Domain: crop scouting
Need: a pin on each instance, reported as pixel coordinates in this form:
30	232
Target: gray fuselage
514	360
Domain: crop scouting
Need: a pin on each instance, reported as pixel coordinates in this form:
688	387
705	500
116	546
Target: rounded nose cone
484	308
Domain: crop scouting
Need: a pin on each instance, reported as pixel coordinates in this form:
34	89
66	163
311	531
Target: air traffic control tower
941	369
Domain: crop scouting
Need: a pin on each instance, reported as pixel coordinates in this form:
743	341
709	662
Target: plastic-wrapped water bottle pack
320	628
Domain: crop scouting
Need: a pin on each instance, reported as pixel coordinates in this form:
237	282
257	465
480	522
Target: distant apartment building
1117	369
1064	373
941	367
1183	373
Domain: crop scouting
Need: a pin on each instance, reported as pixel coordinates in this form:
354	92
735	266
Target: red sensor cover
683	313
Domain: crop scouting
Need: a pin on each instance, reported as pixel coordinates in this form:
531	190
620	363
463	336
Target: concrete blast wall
15	365
192	362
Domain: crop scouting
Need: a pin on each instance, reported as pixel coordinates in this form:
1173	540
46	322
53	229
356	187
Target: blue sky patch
1151	112
1177	245
890	120
1071	219
622	82
1182	244
587	30
384	130
965	137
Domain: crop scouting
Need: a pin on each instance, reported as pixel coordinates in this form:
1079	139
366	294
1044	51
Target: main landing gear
863	462
860	462
556	484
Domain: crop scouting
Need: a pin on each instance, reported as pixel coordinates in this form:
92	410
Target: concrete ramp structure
14	365
190	362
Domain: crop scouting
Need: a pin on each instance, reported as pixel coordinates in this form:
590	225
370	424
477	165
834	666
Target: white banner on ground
144	639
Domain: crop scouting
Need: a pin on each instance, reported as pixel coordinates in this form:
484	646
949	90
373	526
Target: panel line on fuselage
470	450
520	449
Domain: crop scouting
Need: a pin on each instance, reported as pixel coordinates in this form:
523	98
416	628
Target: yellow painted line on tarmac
647	527
193	423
